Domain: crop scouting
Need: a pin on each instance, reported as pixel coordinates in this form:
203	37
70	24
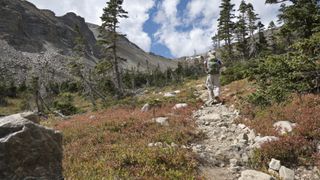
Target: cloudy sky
171	28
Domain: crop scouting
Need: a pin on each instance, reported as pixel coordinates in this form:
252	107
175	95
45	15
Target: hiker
212	67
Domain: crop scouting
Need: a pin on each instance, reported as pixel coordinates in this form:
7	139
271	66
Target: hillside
29	43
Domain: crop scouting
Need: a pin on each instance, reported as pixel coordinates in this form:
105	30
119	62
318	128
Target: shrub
236	71
290	150
64	104
295	72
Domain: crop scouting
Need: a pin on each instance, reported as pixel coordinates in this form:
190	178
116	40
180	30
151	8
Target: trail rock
261	140
145	108
163	121
169	94
286	173
180	106
29	150
254	175
274	164
284	126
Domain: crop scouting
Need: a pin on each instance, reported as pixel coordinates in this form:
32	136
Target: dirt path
225	151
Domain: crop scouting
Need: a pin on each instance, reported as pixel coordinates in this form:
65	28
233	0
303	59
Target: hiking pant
213	85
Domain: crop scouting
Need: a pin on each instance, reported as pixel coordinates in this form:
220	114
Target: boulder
163	121
274	164
284	126
254	175
180	106
261	140
145	108
29	150
31	116
286	173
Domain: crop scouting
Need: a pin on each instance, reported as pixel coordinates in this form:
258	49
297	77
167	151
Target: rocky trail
225	150
227	147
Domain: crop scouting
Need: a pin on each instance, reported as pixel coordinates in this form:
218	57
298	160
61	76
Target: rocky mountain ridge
32	40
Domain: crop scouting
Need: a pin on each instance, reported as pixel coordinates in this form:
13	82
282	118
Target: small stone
150	145
245	157
286	173
163	121
251	135
242	126
180	106
145	108
174	145
92	117
169	94
177	91
274	164
158	144
284	126
273	172
261	140
233	162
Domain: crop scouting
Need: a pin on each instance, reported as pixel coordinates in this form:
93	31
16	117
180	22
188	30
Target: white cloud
201	18
138	12
197	38
92	11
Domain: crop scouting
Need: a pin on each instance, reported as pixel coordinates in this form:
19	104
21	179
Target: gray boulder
180	106
254	175
286	173
28	150
163	121
274	164
284	126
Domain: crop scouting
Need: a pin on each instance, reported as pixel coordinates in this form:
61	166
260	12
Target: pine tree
252	17
301	17
241	30
110	23
225	24
272	38
263	44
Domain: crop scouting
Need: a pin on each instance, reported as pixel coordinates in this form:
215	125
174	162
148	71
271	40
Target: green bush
237	71
64	104
294	72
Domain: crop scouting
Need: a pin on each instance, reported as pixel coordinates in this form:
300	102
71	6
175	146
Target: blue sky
171	28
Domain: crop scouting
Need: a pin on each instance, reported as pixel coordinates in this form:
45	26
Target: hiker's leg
216	85
209	85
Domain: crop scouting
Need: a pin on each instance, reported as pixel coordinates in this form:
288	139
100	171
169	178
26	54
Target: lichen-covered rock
28	150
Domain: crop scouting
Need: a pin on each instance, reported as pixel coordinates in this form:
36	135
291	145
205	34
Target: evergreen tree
272	37
110	23
301	17
262	39
252	17
225	24
241	30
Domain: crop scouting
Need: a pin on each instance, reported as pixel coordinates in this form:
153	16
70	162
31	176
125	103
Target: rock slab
28	150
274	164
254	175
286	173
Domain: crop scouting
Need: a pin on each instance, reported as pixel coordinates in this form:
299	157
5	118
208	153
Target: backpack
214	66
